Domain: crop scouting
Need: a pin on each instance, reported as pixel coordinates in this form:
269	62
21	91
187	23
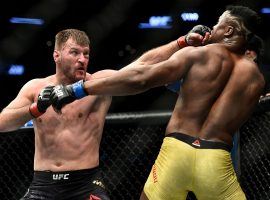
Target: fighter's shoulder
215	51
247	64
250	69
38	82
194	52
204	49
214	48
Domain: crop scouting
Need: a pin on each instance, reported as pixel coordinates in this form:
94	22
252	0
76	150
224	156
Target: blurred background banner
119	30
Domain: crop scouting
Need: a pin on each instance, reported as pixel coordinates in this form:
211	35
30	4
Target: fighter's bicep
102	74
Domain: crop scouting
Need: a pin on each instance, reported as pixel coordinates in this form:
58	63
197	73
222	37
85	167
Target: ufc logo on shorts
60	177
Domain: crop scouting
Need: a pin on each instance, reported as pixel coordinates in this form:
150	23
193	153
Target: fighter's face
74	60
217	33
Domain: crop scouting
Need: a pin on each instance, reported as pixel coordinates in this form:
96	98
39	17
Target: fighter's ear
56	55
251	54
229	31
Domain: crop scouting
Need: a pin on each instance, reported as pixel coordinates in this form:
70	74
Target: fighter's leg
37	194
215	176
171	175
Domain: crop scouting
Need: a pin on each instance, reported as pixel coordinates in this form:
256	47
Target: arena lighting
265	10
158	22
16	70
20	20
190	16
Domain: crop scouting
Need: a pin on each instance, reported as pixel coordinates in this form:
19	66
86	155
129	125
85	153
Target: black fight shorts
86	184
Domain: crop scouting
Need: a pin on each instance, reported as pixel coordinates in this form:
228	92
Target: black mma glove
200	29
62	95
38	108
187	40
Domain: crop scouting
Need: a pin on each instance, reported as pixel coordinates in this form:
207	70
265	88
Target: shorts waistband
200	143
64	175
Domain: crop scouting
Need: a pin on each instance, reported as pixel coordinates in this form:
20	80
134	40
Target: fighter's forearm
125	82
159	54
13	118
196	37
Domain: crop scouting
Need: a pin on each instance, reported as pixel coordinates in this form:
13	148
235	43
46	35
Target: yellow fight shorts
188	164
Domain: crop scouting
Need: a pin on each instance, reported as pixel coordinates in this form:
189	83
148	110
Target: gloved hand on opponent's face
64	94
38	108
197	36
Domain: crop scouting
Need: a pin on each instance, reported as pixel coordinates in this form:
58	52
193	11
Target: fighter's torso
70	140
217	96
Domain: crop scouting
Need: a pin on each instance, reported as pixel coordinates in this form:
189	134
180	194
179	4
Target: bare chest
88	112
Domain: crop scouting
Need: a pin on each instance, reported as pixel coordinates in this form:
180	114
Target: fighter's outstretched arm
197	36
140	78
158	58
151	59
128	81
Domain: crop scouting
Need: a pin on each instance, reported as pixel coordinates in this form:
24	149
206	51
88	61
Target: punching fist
38	108
200	29
197	36
63	95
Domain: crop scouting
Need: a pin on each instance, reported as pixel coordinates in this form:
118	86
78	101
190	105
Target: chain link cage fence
130	144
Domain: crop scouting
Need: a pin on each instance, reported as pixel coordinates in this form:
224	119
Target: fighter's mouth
81	69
